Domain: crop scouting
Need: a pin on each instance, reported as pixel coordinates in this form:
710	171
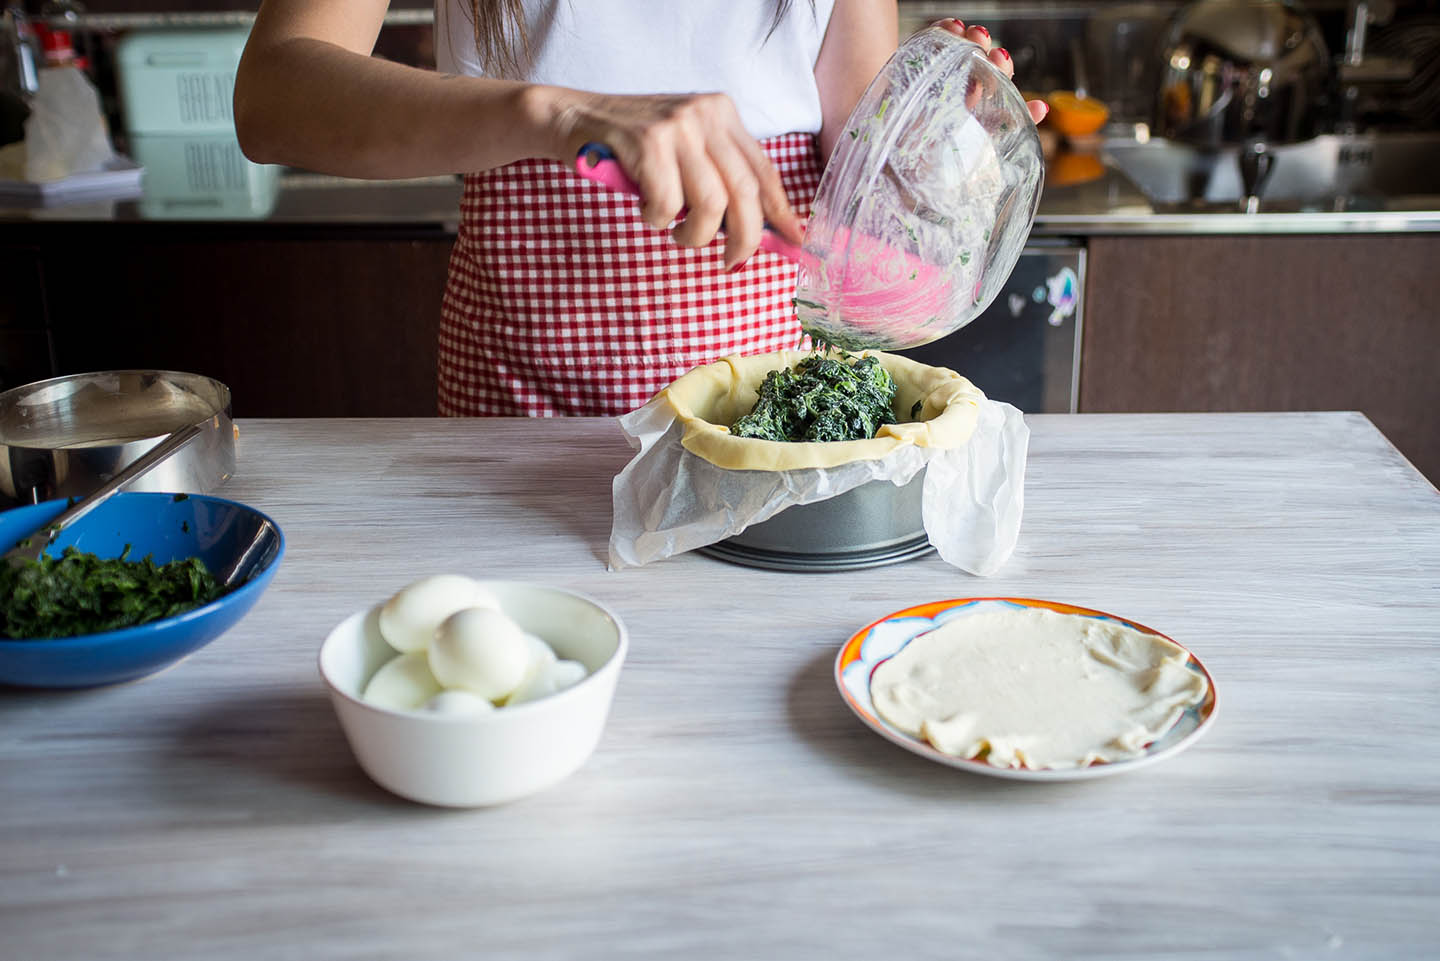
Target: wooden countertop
735	808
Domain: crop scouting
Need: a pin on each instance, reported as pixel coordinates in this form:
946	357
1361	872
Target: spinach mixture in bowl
79	593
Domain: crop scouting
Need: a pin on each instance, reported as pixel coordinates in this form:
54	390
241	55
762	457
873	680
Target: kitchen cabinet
25	348
341	320
1276	323
1024	348
298	323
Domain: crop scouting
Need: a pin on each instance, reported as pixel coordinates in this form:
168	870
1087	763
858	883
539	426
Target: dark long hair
493	19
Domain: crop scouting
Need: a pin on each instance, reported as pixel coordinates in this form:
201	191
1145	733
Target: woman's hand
687	153
690	154
999	56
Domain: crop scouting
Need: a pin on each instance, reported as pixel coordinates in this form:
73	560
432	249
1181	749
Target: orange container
1076	116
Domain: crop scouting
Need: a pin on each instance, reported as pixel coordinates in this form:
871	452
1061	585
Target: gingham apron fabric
561	301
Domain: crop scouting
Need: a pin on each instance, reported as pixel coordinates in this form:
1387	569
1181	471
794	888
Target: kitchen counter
1111	205
430	204
1107	205
734	807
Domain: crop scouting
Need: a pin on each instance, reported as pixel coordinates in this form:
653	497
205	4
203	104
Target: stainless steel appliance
1025	348
1243	73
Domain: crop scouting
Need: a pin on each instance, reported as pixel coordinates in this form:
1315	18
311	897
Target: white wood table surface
735	808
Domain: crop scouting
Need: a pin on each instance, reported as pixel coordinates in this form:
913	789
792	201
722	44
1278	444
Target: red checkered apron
562	301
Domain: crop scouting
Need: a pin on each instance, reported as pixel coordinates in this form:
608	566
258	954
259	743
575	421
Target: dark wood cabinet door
25	353
22	288
296	326
1344	322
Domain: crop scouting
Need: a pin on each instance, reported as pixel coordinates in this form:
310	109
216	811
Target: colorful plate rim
854	664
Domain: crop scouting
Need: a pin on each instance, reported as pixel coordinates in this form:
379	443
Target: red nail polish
982	30
958	22
1005	53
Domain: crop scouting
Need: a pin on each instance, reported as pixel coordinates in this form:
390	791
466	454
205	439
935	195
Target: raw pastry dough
1034	688
710	398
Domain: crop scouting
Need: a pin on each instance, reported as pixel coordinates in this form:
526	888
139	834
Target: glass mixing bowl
925	203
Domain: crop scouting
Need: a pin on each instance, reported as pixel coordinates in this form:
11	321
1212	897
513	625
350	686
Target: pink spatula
597	162
876	276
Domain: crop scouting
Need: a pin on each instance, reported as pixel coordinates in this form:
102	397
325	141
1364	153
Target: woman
565	297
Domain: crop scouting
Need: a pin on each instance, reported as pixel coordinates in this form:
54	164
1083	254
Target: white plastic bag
65	133
668	500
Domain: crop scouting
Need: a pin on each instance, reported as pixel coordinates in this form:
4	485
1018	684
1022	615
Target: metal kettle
1242	73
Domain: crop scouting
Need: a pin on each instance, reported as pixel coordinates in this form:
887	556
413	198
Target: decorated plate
873	645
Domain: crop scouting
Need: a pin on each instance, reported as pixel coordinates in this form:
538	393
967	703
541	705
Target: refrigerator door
1025	348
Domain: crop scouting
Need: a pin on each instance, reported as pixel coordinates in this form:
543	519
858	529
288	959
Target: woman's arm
861	36
308	94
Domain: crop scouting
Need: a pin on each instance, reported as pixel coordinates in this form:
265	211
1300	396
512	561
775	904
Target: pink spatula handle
597	162
776	244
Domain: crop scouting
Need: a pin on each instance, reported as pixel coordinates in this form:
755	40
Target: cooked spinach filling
823	398
80	593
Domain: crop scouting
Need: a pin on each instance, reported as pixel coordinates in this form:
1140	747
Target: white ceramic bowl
491	758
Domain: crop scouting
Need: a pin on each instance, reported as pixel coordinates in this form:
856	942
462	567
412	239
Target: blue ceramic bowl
168	527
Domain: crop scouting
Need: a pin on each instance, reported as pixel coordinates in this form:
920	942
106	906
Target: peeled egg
458	703
403	683
481	650
541	653
409	618
548	679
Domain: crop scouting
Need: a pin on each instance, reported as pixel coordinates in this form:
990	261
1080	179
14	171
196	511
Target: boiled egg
409	618
481	650
458	702
403	683
548	678
541	653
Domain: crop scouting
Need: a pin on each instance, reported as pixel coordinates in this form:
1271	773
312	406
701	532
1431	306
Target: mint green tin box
178	81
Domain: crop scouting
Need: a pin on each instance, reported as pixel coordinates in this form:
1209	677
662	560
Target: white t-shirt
666	46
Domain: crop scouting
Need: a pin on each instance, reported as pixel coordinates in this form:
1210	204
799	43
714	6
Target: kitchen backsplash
1109	47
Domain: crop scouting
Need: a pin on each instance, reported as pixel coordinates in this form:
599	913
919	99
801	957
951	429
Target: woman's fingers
706	195
999	56
744	219
774	202
728	179
975	34
662	188
693	161
753	196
